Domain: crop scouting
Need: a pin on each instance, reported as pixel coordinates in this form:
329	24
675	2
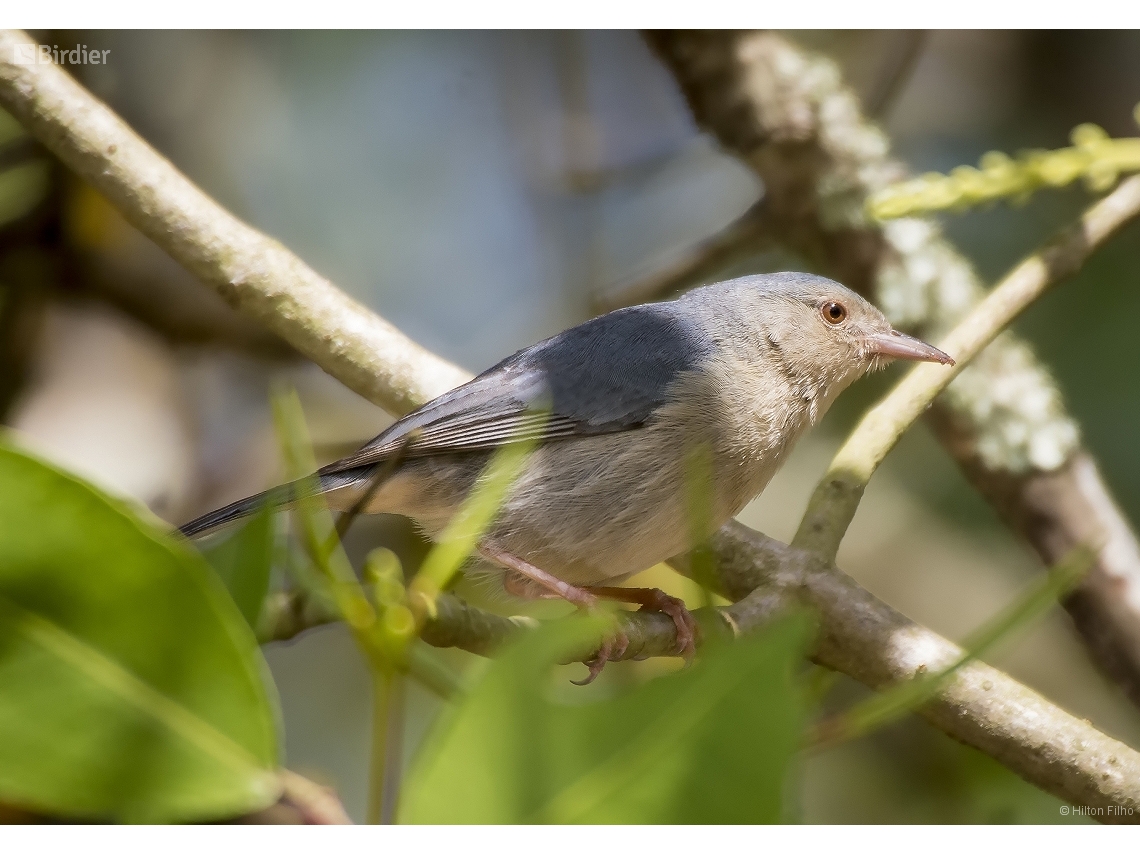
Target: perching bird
619	404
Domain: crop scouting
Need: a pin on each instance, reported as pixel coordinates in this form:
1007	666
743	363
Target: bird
616	406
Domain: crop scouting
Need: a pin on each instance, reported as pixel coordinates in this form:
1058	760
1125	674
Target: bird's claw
615	646
612	649
688	630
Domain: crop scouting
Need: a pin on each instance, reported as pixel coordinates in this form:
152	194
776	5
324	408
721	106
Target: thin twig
318	805
837	496
379	477
895	69
387	742
744	238
393	750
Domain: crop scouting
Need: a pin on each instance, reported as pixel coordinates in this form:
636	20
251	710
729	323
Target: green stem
386	760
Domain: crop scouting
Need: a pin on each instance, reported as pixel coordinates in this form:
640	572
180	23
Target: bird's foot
525	579
612	649
688	630
656	600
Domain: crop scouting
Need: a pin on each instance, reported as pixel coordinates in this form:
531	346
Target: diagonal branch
740	240
836	499
981	706
252	272
789	116
860	635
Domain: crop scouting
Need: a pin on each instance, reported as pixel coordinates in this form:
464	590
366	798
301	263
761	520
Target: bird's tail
278	497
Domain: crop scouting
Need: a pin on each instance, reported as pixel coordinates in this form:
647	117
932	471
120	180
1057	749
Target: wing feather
606	375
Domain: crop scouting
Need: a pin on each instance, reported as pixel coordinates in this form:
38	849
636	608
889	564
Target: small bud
1088	134
383	564
399	621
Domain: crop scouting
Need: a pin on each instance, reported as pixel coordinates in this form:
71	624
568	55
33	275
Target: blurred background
481	190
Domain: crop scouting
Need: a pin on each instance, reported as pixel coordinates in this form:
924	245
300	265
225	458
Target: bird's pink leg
612	648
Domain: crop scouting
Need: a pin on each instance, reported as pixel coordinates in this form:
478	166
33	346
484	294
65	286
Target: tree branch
833	505
741	239
289	613
788	115
252	272
981	706
859	635
868	640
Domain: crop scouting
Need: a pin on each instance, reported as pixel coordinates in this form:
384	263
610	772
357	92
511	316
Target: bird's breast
742	422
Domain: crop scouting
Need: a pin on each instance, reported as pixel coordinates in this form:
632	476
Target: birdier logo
29	54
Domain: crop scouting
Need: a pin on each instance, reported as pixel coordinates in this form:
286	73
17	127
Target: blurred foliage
910	772
474	517
385	615
1094	156
646	755
328	573
130	686
25	178
710	744
22	188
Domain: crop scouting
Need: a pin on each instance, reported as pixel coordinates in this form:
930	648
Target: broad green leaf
710	744
131	687
243	561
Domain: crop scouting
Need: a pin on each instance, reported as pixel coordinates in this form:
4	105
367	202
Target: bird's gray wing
606	375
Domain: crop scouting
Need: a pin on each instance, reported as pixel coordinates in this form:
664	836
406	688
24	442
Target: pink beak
898	346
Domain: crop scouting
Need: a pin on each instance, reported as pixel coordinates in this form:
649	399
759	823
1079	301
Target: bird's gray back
608	374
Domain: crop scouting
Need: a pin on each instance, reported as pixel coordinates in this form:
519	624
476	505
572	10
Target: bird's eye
834	313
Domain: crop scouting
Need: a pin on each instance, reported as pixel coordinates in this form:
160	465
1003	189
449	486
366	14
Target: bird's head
816	331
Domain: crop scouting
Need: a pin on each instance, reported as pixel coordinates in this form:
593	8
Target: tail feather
277	497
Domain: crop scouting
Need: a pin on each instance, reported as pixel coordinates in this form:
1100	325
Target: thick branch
868	640
981	706
252	272
789	116
860	635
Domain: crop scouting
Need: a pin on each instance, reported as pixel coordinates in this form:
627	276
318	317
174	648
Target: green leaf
131	688
710	744
243	562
